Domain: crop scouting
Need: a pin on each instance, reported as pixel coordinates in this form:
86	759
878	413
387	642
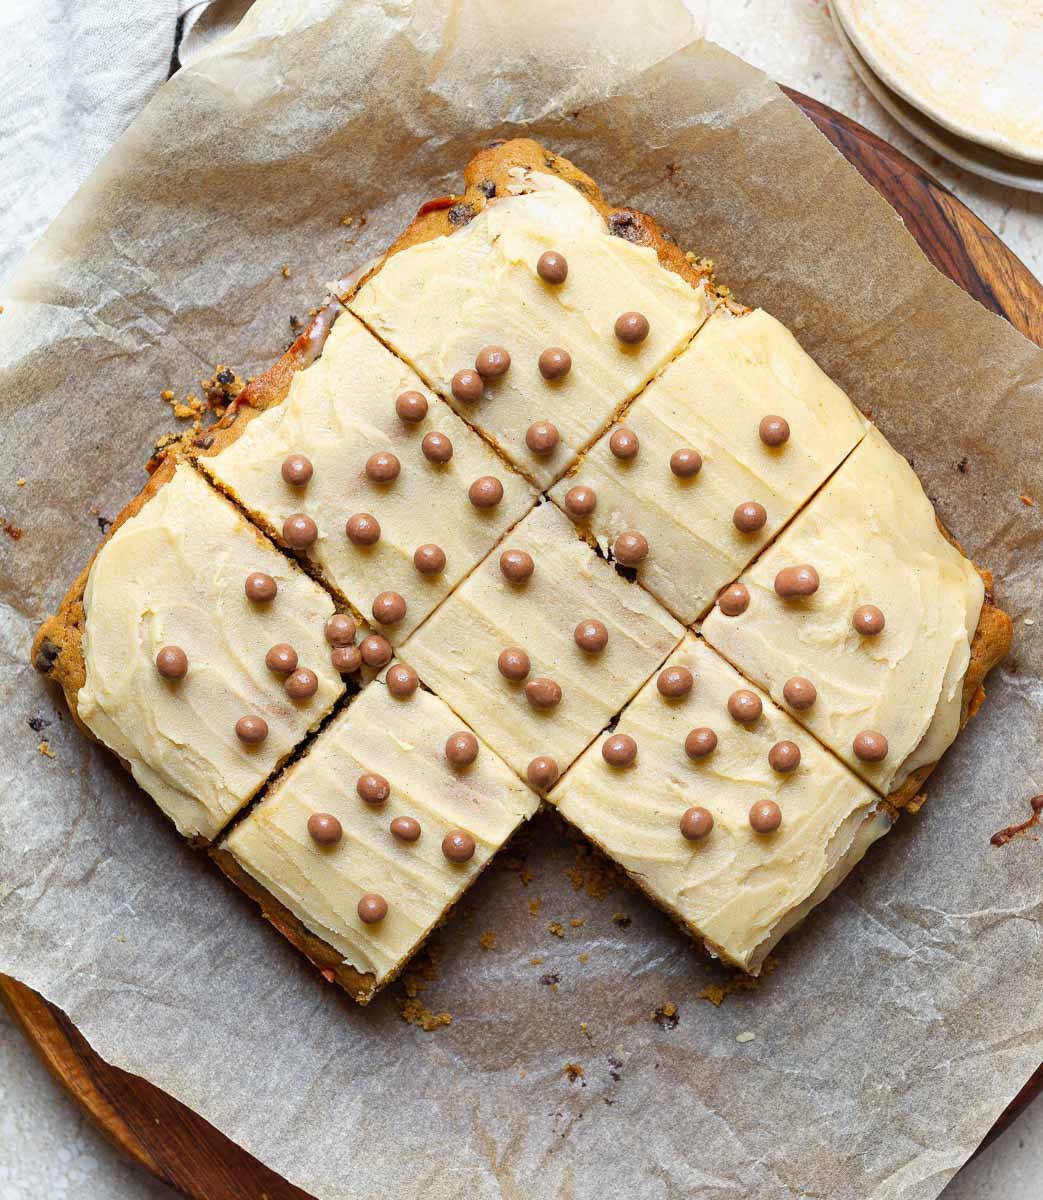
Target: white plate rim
994	166
1030	155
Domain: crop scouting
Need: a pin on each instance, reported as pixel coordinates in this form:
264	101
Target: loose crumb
14	532
747	1036
551	980
411	1008
593	874
584	1028
415	1012
535	905
189	409
21	482
737	981
574	1072
577	922
584	958
622	920
666	1016
514	863
1027	501
488	940
556	928
221	388
535	962
45	749
286	270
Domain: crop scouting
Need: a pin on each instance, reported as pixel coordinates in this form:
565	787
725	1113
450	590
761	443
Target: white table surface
48	1148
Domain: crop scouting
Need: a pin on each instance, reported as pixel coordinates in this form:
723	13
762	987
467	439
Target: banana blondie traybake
531	512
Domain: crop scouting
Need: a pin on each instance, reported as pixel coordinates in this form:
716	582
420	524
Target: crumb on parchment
1027	500
593	874
44	748
667	1015
14	532
515	863
488	940
223	386
412	1010
737	981
621	919
574	1073
534	906
556	928
217	392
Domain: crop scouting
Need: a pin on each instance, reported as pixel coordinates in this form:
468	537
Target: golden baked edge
57	648
361	986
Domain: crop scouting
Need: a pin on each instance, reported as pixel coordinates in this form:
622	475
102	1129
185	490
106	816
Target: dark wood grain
953	238
176	1144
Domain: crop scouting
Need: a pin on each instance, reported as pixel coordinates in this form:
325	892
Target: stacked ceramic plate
963	76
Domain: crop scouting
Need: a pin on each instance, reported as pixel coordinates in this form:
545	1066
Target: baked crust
57	649
58	646
989	646
360	986
486	176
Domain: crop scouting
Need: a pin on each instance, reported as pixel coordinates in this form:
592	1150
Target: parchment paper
907	1011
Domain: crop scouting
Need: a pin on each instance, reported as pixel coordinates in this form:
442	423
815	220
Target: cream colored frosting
404	741
174	574
437	303
711	399
872	536
338	412
456	650
737	889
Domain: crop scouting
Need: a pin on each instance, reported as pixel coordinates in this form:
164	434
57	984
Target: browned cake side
58	646
487	176
57	649
360	986
989	646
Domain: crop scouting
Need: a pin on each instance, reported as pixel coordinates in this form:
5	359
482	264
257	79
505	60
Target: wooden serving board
176	1144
